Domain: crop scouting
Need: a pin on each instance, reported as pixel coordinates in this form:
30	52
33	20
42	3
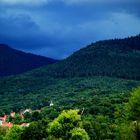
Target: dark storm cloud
56	28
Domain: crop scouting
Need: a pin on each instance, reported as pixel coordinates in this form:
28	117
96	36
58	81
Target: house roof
25	124
9	125
3	118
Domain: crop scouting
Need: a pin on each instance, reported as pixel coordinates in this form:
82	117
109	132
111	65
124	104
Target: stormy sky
57	28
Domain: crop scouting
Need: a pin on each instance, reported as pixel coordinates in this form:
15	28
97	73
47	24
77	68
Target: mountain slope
14	62
113	58
21	92
97	78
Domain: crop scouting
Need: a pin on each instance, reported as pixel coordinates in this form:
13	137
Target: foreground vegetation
73	125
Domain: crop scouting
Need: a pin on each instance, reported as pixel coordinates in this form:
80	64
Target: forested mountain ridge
105	69
14	61
114	58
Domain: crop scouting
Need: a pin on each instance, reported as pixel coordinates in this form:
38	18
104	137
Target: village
4	121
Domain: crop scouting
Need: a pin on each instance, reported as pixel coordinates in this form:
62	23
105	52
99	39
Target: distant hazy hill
14	62
113	58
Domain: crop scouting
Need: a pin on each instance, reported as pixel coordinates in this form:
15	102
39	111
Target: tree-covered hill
96	78
98	95
14	62
114	58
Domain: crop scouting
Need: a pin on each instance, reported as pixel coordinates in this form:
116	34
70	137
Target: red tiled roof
9	125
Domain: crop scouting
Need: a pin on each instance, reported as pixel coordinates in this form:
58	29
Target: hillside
114	58
97	78
14	62
97	94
